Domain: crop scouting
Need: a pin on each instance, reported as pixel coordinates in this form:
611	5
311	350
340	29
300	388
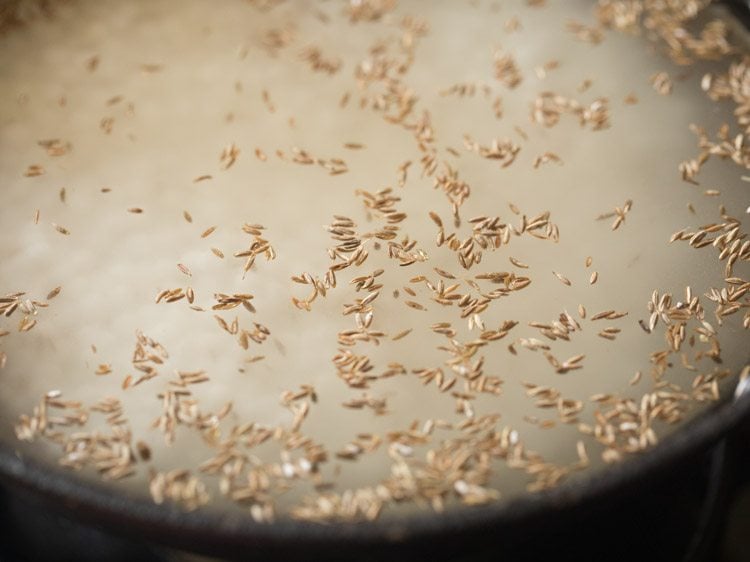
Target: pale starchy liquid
150	93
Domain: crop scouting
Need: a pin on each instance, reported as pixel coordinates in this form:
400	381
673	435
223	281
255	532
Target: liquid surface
150	97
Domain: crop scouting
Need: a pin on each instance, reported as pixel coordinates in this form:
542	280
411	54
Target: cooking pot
631	509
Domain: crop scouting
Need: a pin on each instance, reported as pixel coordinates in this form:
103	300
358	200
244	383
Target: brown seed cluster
683	39
507	71
728	237
27	308
107	450
549	107
259	246
619	215
228	157
55	147
662	83
334	166
33	171
546	158
724	147
585	33
318	62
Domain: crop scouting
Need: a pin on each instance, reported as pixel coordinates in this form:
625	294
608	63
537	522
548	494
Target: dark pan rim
212	532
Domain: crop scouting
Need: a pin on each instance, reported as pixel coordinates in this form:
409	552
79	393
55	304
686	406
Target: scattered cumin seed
228	156
402	334
92	63
53	293
206	233
188	216
593	278
107	124
662	83
584	85
518	263
414	305
609	314
585	33
26	324
184	269
562	278
582	455
218	253
204	177
135	210
403	170
33	170
507	71
521	132
546	158
55	147
103	369
61	229
267	101
444	273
